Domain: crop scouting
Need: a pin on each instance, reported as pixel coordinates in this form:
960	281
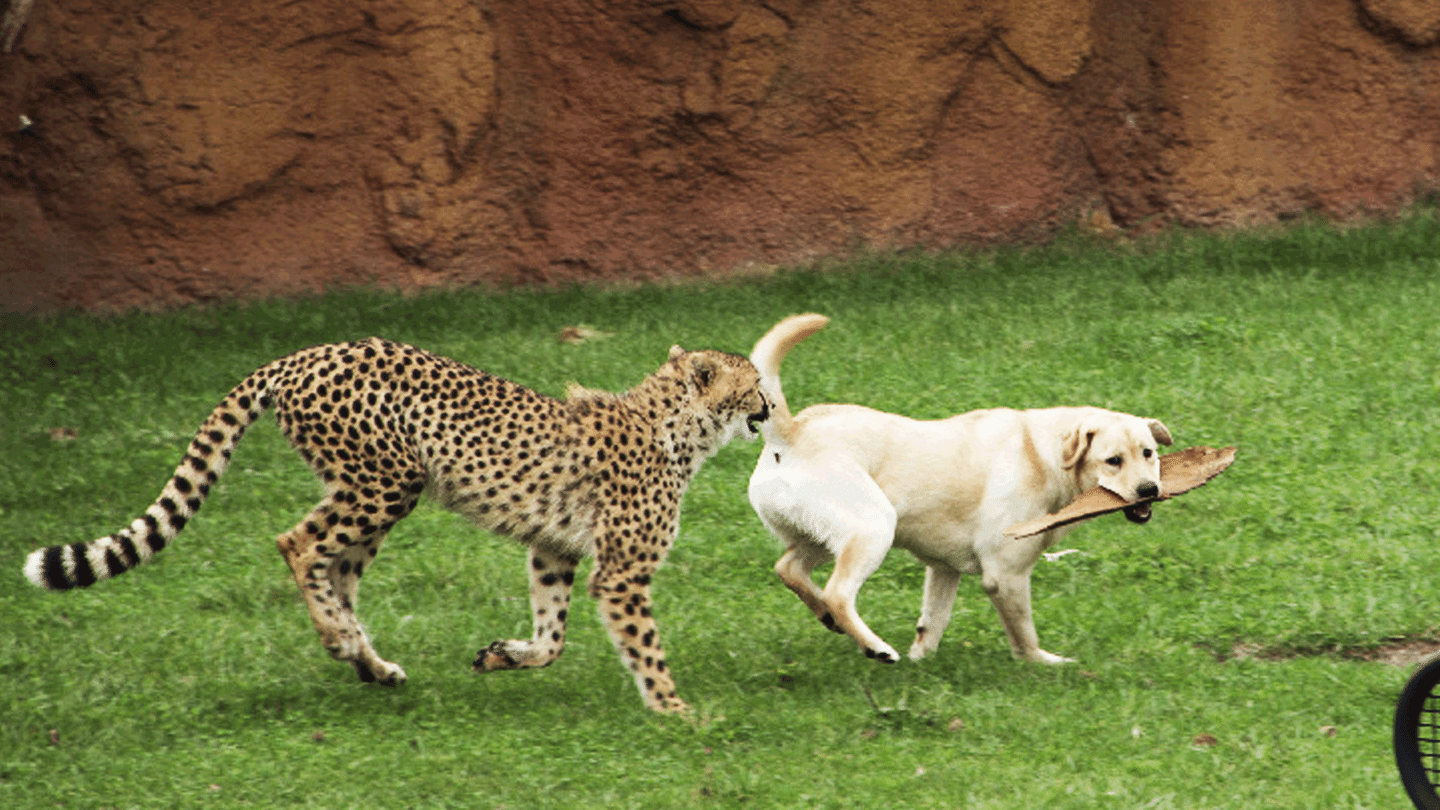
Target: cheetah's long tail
84	564
769	351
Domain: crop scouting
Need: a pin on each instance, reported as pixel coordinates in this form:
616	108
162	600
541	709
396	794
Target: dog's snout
1148	489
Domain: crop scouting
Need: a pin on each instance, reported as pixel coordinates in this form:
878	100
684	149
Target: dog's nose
1149	489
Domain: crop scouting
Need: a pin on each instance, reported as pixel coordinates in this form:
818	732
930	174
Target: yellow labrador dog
847	482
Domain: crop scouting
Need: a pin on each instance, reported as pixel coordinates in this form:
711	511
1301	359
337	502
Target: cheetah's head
728	387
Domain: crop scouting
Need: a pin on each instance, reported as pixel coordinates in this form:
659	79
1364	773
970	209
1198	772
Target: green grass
198	681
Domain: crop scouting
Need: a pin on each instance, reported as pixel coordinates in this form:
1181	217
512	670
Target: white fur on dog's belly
933	546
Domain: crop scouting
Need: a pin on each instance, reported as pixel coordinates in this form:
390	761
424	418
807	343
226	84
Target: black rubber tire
1417	735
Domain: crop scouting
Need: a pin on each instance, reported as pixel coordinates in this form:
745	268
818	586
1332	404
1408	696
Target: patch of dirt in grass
1402	653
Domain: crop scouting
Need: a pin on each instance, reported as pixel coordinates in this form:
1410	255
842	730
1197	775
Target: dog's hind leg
941	583
794	569
860	557
843	513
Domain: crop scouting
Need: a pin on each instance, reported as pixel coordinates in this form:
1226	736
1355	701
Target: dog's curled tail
78	565
767	355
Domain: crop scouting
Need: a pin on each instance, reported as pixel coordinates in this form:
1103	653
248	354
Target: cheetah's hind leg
328	552
551	578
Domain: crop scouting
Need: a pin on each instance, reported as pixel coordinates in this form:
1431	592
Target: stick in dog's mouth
1179	473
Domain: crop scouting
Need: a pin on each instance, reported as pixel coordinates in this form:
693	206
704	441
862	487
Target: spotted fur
595	474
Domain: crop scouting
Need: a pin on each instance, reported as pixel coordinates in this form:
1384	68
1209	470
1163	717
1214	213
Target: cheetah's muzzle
753	420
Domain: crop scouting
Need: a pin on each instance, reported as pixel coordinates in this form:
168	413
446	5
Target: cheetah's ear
676	352
704	370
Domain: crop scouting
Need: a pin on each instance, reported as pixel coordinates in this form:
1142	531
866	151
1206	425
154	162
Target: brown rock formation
188	151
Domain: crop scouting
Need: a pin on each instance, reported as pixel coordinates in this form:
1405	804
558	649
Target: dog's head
728	387
1119	452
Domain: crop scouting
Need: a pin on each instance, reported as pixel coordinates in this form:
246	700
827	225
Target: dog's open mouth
1138	512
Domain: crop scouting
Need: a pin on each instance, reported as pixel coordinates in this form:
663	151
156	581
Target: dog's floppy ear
676	352
1076	443
1160	432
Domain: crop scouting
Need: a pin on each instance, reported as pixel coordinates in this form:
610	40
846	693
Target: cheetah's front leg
625	608
551	578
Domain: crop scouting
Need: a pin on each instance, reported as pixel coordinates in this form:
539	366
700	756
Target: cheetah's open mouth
753	420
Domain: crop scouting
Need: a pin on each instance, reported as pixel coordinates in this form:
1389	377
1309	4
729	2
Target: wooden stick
1179	473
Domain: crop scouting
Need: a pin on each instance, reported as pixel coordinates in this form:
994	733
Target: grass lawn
199	681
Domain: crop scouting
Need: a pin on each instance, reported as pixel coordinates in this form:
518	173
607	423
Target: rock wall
191	150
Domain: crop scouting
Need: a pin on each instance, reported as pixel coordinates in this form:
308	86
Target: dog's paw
925	643
1049	658
885	655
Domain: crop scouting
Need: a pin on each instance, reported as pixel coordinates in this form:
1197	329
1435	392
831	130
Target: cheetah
380	423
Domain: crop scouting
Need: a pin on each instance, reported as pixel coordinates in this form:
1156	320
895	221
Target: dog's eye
1114	461
1149	452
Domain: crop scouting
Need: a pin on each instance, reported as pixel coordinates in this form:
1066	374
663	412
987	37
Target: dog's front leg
1010	593
941	583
